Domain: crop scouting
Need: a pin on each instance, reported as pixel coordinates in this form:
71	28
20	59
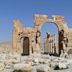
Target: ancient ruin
24	38
27	53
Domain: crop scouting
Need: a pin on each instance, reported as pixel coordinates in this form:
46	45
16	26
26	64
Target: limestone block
2	57
58	18
15	61
41	61
43	68
63	65
53	64
8	64
1	66
16	58
36	60
40	19
18	26
24	67
69	61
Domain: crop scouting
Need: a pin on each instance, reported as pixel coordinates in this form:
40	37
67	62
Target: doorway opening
25	46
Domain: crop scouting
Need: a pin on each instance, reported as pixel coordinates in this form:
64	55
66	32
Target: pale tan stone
20	31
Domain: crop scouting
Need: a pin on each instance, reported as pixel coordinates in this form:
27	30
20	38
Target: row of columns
50	44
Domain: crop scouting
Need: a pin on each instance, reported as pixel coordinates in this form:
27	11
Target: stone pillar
14	40
18	26
18	29
39	20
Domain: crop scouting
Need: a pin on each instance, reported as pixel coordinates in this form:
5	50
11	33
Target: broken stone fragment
2	66
24	67
36	60
63	65
8	64
43	68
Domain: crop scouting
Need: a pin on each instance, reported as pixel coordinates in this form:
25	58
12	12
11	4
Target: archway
40	20
52	30
25	46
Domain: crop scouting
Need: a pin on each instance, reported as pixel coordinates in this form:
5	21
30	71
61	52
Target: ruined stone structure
20	32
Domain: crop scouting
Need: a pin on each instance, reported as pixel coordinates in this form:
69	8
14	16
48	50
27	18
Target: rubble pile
40	61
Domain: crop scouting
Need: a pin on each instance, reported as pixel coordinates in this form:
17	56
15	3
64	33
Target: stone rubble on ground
10	61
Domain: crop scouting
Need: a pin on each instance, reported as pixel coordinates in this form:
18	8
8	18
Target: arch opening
49	37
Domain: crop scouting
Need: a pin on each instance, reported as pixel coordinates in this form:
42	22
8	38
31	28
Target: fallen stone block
43	68
63	65
1	66
24	67
36	60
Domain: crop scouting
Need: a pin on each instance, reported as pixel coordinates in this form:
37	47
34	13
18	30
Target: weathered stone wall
69	35
20	31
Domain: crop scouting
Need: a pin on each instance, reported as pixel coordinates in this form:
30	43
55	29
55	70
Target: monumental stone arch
40	20
20	32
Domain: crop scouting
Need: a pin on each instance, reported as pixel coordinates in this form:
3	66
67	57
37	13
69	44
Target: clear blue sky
24	11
